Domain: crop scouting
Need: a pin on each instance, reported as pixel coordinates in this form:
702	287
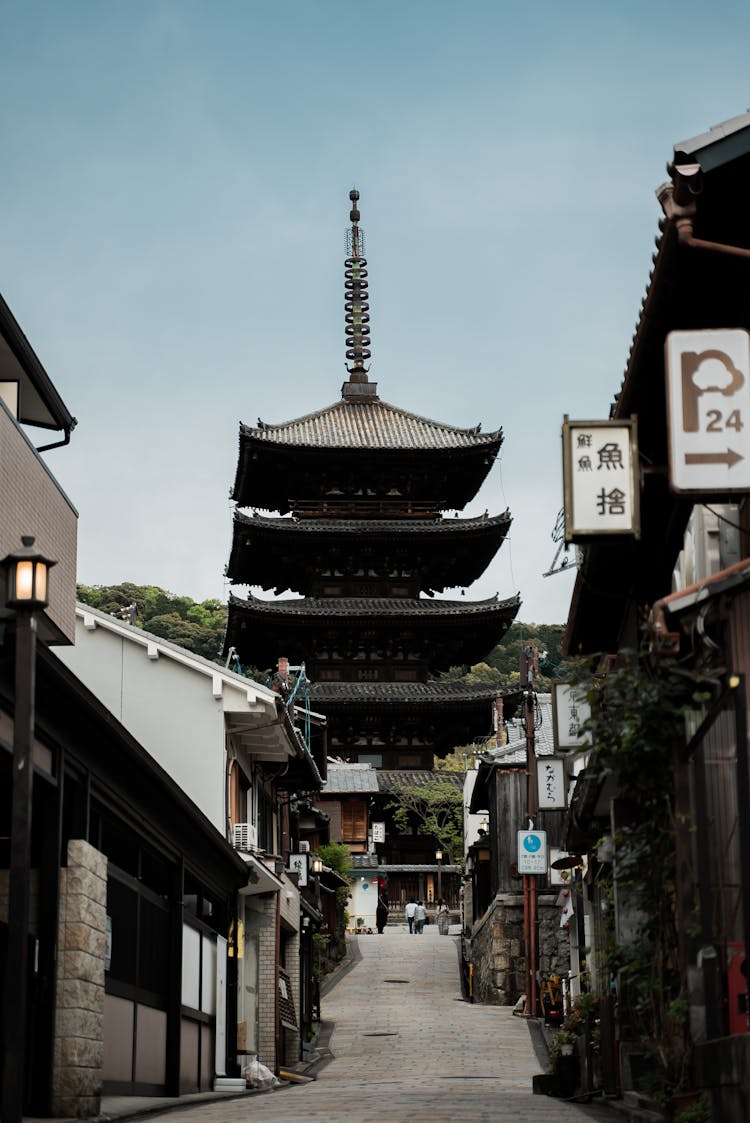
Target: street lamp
27	572
317	866
439	856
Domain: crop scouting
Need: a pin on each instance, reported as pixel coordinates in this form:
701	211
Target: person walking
419	917
411	908
443	917
381	913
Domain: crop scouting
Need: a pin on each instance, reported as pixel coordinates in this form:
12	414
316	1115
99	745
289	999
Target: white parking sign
708	405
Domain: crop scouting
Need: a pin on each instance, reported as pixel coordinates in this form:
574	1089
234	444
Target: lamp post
439	856
27	572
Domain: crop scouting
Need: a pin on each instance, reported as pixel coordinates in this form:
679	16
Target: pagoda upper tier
363	557
369	638
362	457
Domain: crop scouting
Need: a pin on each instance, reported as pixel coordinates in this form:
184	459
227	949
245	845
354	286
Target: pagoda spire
357	311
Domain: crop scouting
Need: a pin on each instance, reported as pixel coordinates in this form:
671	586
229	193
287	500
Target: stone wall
497	948
79	1022
264	917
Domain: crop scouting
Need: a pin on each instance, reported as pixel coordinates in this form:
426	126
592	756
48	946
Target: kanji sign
708	405
378	832
532	851
600	474
569	711
298	865
550	782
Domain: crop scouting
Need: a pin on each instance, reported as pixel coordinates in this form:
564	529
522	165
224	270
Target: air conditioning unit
245	836
304	847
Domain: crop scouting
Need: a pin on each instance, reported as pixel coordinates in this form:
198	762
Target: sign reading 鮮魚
600	476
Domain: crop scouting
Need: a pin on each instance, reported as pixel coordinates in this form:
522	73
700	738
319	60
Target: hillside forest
200	626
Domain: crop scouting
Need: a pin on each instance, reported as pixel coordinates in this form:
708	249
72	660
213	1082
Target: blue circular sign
532	843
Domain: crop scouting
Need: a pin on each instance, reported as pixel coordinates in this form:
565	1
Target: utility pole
529	672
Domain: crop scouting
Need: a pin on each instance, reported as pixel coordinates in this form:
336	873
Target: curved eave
447	553
268	474
309	611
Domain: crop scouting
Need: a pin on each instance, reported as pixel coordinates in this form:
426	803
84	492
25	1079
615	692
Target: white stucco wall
166	706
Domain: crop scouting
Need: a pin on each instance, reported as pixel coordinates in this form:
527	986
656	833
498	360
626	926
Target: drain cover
383	1033
396	980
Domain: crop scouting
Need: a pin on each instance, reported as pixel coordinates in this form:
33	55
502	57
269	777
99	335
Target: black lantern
27	571
317	866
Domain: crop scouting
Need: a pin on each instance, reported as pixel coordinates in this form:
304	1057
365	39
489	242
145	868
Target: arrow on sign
730	458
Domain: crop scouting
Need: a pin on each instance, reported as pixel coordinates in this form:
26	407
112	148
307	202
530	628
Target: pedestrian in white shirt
411	908
419	918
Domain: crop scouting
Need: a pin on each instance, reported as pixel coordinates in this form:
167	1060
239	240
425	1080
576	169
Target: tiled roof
381	607
371	424
350	778
371	527
329	693
392	779
515	751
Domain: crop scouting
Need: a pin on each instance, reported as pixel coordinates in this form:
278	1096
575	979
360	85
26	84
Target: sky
173	207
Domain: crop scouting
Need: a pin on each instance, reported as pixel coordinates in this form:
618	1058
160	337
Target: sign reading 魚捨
600	477
708	408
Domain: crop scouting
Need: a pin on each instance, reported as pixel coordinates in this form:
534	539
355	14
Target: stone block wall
497	948
79	1022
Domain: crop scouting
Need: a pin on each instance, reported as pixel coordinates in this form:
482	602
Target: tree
436	807
501	668
199	627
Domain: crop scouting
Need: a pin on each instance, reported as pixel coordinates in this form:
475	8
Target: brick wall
264	917
79	1023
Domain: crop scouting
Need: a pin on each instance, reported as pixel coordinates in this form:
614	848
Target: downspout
59	444
678	201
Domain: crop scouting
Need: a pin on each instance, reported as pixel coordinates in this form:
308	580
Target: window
353	821
238	788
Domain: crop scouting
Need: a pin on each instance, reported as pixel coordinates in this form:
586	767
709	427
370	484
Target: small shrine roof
382	607
369	425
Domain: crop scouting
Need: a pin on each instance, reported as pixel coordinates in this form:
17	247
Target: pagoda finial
357	307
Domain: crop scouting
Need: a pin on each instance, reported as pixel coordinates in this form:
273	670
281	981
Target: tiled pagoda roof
369	425
435	692
372	527
385	608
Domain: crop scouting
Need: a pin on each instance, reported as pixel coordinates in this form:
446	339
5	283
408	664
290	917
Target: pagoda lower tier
344	556
367	639
406	725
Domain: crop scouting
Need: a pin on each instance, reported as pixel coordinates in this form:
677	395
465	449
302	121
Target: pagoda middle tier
363	557
368	639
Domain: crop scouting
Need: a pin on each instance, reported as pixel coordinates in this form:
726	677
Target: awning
259	878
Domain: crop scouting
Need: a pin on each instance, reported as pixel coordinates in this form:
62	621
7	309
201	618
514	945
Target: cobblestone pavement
407	1048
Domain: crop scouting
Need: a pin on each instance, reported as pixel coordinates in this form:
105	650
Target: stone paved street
406	1047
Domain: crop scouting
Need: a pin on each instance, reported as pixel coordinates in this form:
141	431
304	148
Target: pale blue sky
173	201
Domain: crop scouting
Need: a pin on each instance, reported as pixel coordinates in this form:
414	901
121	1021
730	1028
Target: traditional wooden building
361	489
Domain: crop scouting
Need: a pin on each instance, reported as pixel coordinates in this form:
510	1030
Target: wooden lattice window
353	821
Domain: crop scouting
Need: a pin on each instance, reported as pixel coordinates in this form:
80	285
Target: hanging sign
569	712
378	832
600	477
298	865
708	407
532	851
550	783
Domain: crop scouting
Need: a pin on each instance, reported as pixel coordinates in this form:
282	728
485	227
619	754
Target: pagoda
346	508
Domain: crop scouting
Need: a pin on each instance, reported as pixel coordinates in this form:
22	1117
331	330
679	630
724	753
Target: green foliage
637	724
436	807
337	857
501	668
698	1112
180	620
